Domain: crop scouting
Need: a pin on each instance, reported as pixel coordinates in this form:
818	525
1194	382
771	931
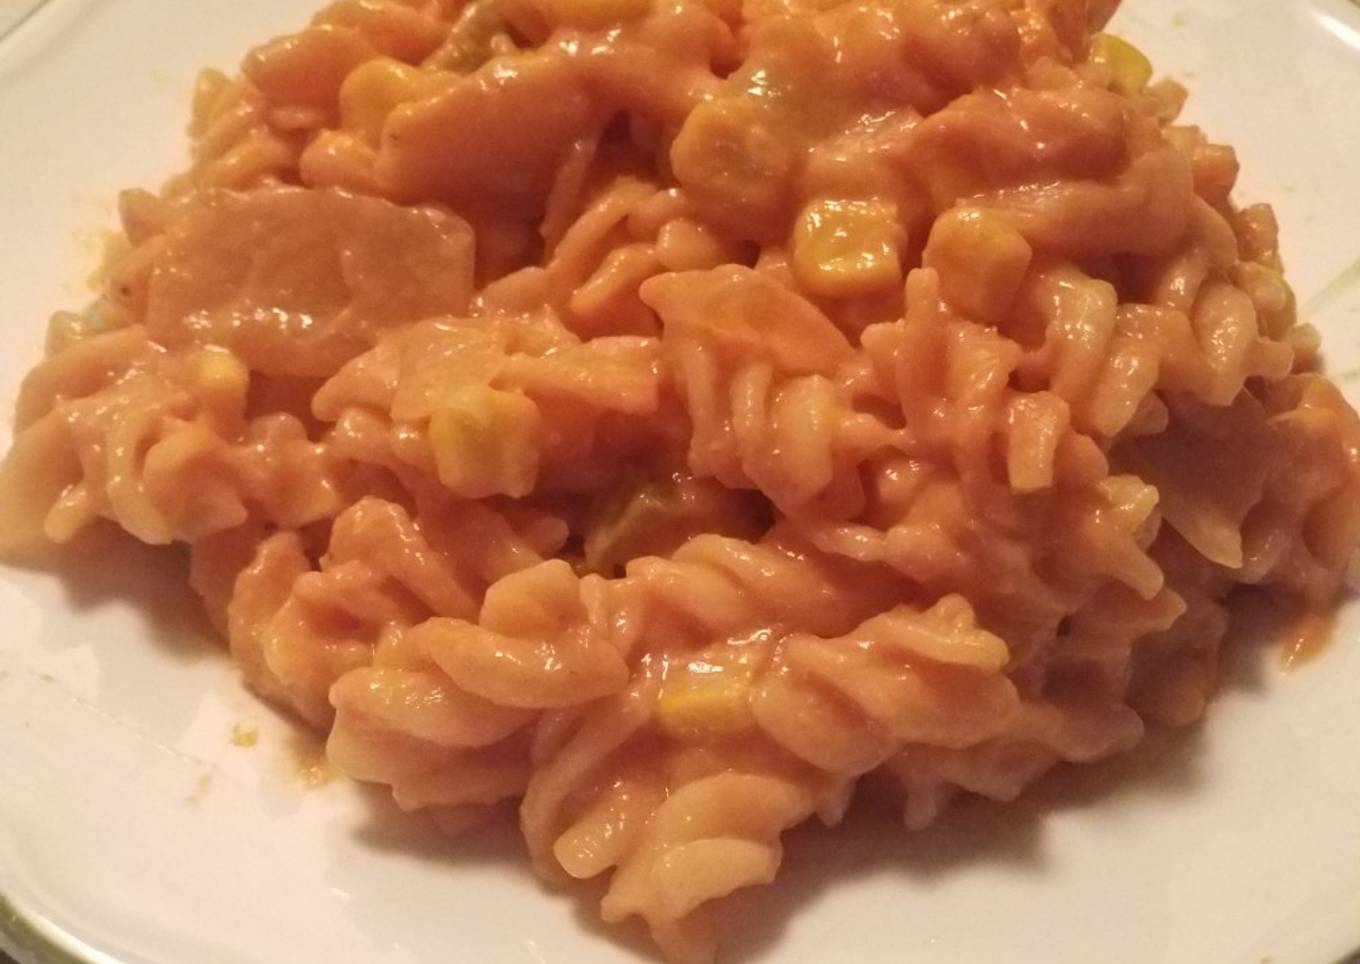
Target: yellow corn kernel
655	518
372	91
595	14
1130	71
847	248
222	381
698	711
981	261
244	736
485	442
634	524
728	155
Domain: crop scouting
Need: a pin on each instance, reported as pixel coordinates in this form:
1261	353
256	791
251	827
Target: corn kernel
1130	70
485	442
847	248
727	155
595	14
981	261
221	378
703	710
372	91
655	518
645	513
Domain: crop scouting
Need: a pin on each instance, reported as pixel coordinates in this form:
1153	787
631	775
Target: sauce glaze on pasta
664	413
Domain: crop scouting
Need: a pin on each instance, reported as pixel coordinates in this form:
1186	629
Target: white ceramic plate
133	830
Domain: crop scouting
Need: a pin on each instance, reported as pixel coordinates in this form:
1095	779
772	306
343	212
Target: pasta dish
660	418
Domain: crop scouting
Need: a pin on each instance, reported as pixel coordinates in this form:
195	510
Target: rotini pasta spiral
662	417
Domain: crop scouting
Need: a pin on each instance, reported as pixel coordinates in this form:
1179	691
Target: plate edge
29	941
28	15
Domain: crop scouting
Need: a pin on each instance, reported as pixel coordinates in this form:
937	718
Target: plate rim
36	940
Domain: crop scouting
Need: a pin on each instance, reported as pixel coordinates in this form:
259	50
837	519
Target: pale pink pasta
659	417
